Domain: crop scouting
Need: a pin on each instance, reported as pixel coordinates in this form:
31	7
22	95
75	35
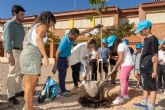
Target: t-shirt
80	53
150	48
128	60
65	46
103	54
93	54
136	57
161	55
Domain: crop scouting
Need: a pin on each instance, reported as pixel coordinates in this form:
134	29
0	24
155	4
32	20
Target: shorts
105	67
112	62
31	60
148	83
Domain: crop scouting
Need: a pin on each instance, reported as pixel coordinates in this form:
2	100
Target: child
125	63
136	57
103	53
148	65
161	66
93	63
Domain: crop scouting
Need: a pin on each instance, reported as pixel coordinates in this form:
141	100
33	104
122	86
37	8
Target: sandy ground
71	103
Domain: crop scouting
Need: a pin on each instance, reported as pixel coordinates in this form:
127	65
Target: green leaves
98	5
123	30
52	38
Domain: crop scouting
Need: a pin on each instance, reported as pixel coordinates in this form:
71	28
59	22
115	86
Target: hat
138	46
110	40
104	40
142	25
126	41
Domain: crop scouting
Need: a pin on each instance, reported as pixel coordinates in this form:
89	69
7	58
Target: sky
35	7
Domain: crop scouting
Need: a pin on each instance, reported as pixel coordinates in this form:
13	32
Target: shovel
102	84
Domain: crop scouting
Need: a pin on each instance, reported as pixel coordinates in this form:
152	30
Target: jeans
75	73
62	69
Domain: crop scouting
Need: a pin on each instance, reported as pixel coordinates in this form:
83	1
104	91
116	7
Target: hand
45	61
154	75
98	26
11	59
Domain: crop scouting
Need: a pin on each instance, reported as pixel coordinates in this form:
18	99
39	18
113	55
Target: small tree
52	38
123	30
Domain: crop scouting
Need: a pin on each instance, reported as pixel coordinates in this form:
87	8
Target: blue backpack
49	91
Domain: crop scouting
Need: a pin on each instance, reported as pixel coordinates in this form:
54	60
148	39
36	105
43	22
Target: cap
142	25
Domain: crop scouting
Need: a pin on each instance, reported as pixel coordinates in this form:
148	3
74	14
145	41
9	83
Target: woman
32	54
125	63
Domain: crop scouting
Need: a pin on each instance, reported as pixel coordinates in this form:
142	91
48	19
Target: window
106	21
158	17
129	20
78	23
62	25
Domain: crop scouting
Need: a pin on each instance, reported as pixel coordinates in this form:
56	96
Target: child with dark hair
136	57
103	55
148	65
161	66
125	63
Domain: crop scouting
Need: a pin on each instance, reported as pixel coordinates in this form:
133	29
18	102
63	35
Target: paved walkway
71	103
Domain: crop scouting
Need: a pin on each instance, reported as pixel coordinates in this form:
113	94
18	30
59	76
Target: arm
41	31
155	57
155	66
90	29
8	34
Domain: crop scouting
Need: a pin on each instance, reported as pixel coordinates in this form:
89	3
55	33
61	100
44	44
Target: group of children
148	62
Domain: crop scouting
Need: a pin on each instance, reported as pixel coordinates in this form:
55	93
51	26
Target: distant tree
52	38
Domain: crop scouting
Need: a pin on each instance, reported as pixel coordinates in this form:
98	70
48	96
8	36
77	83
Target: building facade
153	11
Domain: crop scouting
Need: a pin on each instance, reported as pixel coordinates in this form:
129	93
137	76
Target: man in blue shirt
103	53
63	52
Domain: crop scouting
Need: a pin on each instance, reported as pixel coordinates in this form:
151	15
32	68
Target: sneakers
139	105
13	101
118	100
20	94
126	97
151	108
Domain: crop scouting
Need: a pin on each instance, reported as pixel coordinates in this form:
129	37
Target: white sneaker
118	100
126	97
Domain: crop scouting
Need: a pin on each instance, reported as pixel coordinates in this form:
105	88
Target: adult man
13	44
63	52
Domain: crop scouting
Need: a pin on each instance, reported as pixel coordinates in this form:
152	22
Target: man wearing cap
136	57
103	55
13	44
148	66
63	52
